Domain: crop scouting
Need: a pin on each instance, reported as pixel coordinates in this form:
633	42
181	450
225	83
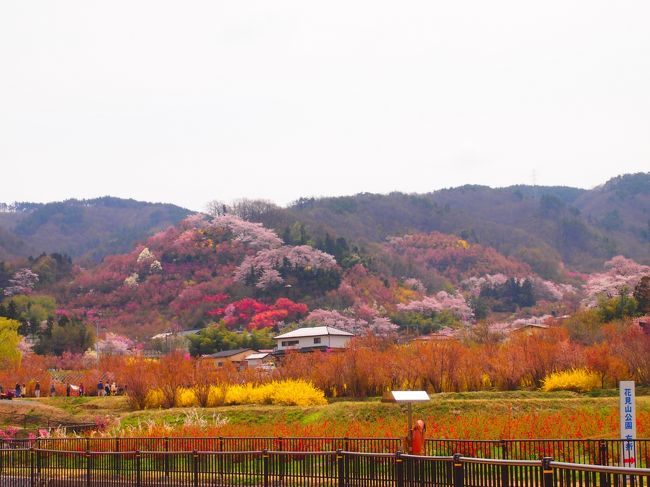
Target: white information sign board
410	396
628	423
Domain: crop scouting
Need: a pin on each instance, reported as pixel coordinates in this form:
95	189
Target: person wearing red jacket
417	446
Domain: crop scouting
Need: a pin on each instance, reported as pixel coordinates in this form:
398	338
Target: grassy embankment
488	415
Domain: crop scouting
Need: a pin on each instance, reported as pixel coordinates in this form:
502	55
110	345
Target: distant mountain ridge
546	227
89	229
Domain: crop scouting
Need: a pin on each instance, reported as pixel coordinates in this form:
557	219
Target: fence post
547	472
38	461
265	466
504	449
221	460
87	468
166	457
458	471
282	458
195	468
116	457
399	467
340	467
138	473
602	453
603	459
31	467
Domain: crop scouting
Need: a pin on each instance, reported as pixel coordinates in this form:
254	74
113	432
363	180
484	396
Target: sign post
628	423
408	398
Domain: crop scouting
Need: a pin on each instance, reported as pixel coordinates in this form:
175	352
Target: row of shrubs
285	393
292	392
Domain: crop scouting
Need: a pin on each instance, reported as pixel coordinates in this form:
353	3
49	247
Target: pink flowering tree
620	274
22	282
271	267
443	301
474	285
415	285
543	289
114	344
380	326
549	290
249	233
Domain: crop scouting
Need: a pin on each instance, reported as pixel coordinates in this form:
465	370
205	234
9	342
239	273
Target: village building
237	357
321	338
260	360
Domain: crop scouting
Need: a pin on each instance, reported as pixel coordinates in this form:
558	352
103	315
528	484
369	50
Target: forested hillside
543	226
89	229
242	281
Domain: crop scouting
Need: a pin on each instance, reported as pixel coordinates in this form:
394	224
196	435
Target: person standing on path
37	389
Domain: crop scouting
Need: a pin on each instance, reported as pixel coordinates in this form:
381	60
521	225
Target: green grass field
480	414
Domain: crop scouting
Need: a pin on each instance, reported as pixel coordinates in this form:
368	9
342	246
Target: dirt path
30	414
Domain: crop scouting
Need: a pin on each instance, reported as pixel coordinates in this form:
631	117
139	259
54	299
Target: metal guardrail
611	452
38	467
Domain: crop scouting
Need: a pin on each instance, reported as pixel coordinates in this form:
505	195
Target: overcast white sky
188	101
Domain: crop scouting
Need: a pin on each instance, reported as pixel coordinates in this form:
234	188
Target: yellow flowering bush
153	399
248	394
296	392
286	392
216	396
185	397
581	380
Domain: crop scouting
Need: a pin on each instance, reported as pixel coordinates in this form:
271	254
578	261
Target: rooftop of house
257	356
313	332
229	353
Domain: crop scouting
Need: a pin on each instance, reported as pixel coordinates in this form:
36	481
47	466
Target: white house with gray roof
310	339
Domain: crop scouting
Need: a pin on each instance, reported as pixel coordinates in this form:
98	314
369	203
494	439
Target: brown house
236	357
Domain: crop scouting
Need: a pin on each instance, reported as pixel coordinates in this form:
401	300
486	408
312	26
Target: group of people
106	389
103	389
21	390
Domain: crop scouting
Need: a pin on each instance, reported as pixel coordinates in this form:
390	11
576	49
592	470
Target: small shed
260	360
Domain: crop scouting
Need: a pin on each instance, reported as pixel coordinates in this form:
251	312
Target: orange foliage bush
369	366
